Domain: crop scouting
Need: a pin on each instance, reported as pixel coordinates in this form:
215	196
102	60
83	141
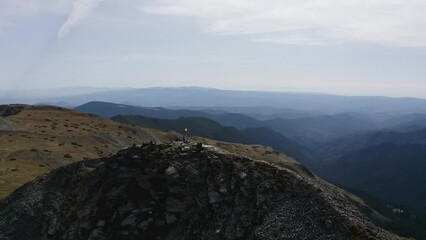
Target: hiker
185	136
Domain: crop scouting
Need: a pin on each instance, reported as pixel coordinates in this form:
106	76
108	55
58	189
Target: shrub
76	144
67	155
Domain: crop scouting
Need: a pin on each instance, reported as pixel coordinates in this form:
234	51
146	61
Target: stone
328	223
160	223
215	197
130	220
171	218
145	224
170	171
175	205
52	226
95	234
101	223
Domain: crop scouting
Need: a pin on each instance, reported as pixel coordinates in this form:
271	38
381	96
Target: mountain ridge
204	97
195	192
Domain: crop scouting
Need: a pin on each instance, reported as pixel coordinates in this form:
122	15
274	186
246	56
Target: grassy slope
40	137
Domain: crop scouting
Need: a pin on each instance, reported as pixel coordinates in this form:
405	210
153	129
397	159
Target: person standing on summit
185	136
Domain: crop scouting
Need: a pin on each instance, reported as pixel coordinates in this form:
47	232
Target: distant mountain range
306	130
109	110
206	97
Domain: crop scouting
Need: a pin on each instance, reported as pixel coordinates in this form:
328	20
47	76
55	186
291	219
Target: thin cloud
81	10
33	7
306	22
11	12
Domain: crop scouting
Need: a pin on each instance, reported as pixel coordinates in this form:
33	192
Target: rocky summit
183	191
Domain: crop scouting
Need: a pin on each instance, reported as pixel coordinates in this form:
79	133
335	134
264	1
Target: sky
347	47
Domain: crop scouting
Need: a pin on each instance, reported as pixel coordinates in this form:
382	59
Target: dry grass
43	138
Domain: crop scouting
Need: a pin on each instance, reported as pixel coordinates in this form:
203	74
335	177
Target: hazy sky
351	47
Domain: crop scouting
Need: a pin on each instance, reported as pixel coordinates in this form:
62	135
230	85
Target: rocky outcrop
10	110
180	192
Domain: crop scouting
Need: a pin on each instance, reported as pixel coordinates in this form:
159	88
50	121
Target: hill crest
175	191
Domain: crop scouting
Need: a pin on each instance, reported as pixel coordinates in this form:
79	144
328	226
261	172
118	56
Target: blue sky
349	47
